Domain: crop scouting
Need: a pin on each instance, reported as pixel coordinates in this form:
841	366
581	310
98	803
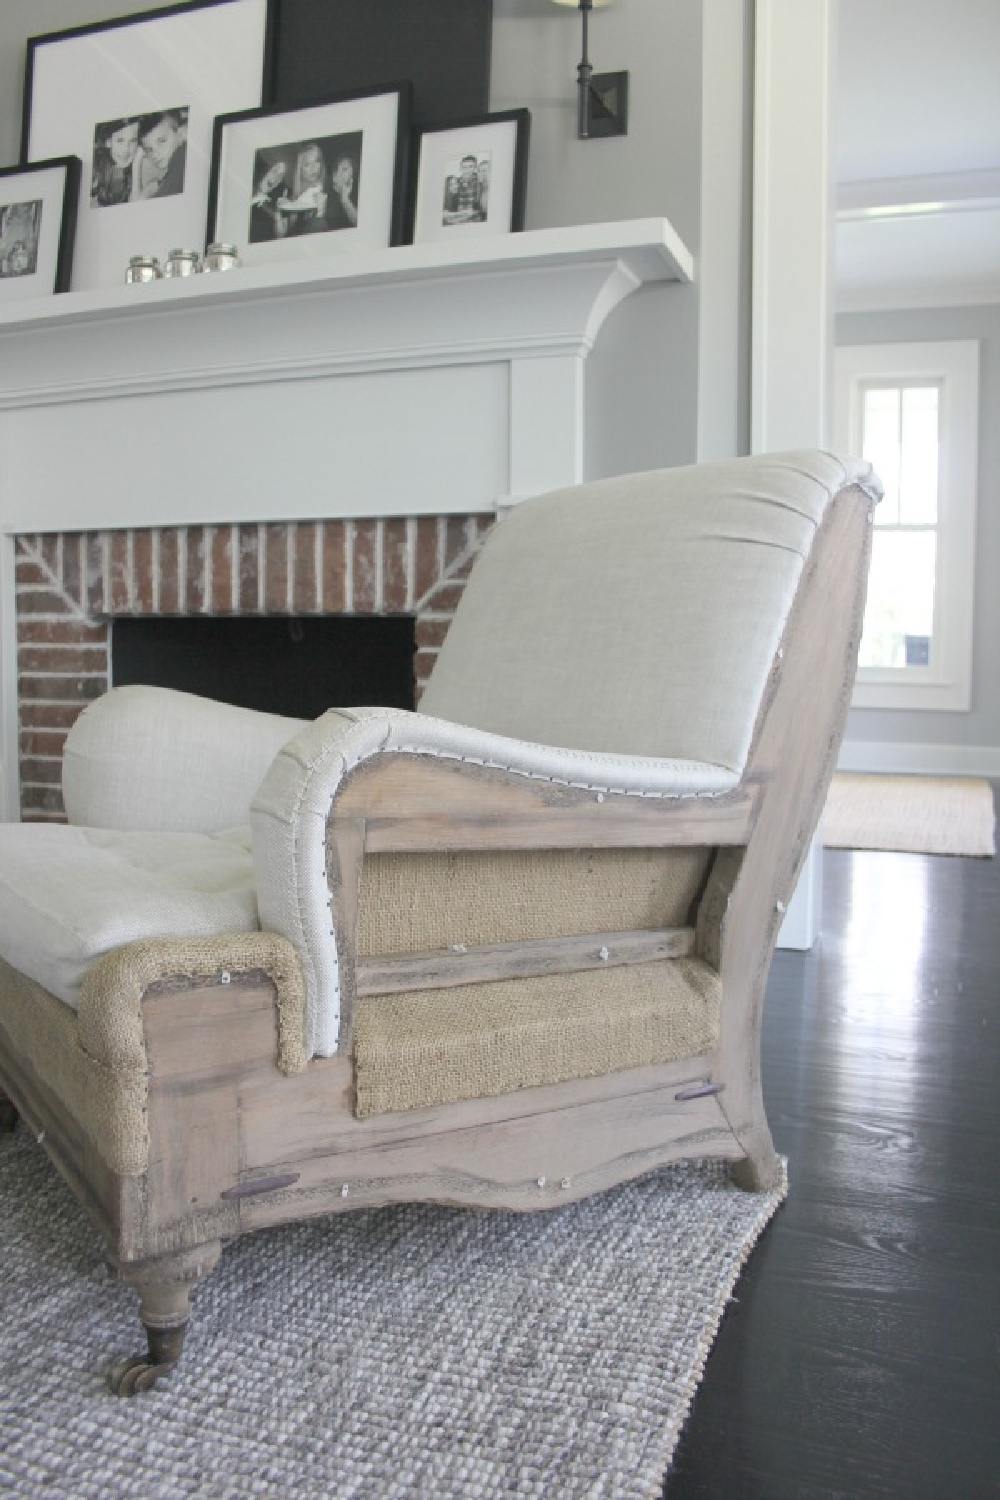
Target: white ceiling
918	123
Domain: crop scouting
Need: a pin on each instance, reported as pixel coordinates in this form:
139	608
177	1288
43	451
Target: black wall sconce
603	106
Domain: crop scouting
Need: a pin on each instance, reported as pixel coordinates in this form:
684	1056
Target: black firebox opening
294	665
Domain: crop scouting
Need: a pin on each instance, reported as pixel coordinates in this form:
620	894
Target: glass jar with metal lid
221	257
182	263
143	268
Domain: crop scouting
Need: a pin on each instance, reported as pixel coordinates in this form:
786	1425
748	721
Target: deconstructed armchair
505	951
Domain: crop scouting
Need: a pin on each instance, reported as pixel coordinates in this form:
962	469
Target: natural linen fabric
413	902
148	758
473	1041
70	895
640	614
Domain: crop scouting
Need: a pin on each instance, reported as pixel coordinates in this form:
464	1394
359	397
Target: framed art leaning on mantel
37	219
135	100
301	184
471	177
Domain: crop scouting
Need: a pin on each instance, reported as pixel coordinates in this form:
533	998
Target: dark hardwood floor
862	1355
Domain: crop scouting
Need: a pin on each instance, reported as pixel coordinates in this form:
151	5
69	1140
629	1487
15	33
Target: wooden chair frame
236	1145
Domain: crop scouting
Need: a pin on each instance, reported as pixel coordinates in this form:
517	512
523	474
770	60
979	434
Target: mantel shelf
442	378
650	249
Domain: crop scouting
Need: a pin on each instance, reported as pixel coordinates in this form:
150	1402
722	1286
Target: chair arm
158	760
386	779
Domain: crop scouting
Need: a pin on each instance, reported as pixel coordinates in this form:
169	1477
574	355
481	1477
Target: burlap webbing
108	1103
431	1047
95	1060
411	902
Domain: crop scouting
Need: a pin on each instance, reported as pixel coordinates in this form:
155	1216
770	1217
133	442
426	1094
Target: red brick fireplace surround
71	585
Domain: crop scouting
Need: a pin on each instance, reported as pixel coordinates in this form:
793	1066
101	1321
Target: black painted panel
443	46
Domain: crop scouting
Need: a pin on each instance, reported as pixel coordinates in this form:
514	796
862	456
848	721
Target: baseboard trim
894	758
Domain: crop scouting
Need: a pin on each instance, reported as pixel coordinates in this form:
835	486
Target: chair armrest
154	759
381	779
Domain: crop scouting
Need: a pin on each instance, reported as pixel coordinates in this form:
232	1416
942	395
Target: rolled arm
375	776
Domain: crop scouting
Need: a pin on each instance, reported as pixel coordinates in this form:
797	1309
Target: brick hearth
71	585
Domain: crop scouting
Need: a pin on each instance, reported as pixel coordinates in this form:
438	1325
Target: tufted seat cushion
69	895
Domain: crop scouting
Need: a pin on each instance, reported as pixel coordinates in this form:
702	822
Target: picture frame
471	177
322	47
135	99
38	206
325	179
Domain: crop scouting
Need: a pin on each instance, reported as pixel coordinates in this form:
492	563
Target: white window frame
954	364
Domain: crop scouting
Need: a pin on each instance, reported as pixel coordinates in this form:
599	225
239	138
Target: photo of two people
305	187
139	156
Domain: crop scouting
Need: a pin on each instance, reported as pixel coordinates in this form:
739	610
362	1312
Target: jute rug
910	814
413	1351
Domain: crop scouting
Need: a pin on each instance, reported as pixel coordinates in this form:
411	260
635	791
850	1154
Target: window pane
880	446
918	470
899	616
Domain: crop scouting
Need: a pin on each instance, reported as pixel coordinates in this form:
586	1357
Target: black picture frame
499	142
86	83
50	259
443	46
248	140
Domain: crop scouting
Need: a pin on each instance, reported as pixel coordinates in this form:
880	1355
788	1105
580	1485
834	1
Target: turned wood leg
760	1169
8	1113
164	1286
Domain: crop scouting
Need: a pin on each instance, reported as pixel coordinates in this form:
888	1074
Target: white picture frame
471	178
38	206
182	64
353	144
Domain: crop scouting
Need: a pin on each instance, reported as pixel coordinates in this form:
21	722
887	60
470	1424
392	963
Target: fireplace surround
332	437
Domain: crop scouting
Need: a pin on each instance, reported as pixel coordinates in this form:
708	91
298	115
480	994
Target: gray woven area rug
413	1351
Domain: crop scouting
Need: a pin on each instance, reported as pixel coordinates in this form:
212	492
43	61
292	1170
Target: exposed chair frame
236	1144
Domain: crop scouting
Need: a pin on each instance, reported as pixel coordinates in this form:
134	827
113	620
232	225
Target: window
912	410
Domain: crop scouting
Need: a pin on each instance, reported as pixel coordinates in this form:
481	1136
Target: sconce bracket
606	105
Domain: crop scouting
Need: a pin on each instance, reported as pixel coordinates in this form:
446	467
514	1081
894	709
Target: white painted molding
411	381
791	297
791	341
902	295
901	759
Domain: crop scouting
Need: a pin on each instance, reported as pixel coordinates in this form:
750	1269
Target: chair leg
8	1113
760	1169
164	1286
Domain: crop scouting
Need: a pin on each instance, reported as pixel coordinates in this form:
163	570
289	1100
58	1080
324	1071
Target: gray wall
980	727
642	378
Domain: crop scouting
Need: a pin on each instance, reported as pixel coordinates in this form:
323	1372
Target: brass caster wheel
129	1377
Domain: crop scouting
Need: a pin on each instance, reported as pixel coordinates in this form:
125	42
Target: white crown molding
901	297
953	190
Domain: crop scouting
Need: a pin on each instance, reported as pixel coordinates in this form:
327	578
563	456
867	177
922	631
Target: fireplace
71	586
330	438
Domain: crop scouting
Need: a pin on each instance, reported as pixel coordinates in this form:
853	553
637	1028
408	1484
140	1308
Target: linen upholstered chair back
637	615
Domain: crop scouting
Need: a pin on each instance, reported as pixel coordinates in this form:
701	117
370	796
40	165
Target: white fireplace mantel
422	379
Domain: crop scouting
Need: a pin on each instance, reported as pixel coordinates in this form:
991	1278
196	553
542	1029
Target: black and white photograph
20	226
142	156
326	179
38	205
135	98
466	195
471	177
306	187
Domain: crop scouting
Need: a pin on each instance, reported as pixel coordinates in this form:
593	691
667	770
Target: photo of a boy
163	146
